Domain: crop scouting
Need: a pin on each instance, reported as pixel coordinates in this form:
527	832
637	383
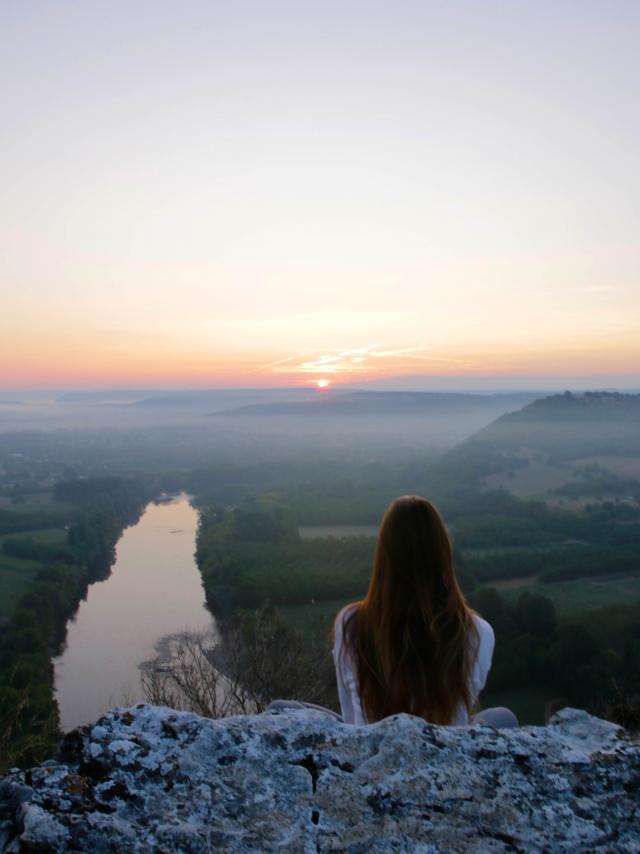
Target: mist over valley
541	495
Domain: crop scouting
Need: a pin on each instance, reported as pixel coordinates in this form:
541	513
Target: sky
205	194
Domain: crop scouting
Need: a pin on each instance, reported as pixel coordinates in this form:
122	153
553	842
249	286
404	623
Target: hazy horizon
417	383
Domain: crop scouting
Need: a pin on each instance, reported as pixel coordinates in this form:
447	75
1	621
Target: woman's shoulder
342	618
486	643
485	632
346	613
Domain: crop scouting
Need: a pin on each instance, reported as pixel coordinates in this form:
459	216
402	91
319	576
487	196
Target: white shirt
348	681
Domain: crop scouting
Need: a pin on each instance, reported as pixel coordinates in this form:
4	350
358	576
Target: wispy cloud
282	362
580	289
356	361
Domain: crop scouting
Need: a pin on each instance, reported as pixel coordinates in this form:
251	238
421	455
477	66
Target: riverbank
153	592
100	509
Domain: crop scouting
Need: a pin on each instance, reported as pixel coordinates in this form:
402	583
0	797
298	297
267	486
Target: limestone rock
152	779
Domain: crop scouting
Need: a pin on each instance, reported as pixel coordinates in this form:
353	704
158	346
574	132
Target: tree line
28	711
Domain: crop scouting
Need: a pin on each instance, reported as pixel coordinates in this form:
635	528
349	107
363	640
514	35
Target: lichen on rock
153	779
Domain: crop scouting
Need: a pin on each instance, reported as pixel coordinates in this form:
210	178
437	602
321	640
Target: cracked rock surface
152	779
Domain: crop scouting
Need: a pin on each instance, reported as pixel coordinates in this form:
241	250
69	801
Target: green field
490	551
46	536
536	479
583	594
15	575
38	503
569	597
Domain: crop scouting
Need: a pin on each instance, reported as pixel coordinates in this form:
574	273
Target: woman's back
347	679
412	644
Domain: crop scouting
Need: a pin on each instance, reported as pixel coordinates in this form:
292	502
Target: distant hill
126	395
187	398
545	446
591	406
221	399
384	403
570	425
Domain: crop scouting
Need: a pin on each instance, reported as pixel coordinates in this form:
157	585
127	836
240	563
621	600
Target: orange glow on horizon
50	360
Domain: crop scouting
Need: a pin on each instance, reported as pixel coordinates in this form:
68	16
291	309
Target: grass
42	502
622	466
584	594
536	479
47	536
15	575
546	548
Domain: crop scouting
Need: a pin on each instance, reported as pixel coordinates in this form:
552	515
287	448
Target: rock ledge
152	779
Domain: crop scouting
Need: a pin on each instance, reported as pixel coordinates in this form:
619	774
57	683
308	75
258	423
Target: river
154	591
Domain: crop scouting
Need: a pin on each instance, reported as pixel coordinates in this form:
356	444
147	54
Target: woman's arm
339	660
482	664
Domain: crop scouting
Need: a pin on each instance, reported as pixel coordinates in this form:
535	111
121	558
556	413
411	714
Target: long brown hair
413	639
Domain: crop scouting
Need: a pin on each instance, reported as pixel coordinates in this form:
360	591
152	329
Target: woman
413	644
